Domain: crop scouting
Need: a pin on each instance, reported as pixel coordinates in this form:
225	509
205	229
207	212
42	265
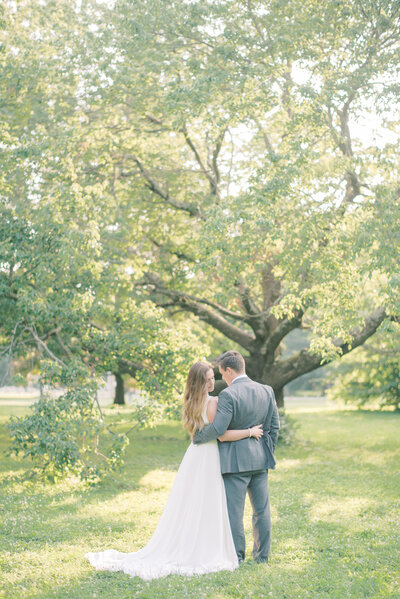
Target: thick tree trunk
263	334
119	389
257	371
251	370
279	397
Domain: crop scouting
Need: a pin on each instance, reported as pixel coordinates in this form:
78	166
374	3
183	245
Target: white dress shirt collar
240	376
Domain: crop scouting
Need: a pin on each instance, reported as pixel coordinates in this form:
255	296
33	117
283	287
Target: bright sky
367	127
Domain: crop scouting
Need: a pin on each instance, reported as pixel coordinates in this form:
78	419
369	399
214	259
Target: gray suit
245	463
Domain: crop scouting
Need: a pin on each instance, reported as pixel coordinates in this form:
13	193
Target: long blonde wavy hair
194	396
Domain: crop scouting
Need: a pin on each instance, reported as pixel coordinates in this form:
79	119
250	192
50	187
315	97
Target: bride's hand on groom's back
257	431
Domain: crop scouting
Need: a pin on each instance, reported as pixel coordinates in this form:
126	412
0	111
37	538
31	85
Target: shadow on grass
52	511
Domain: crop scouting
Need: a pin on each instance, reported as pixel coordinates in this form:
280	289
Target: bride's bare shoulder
212	408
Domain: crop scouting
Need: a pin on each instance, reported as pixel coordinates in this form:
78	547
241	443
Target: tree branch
9	349
345	144
10	295
285	97
211	179
197	306
265	39
217	149
255	318
271	287
62	344
45	347
283	329
266	138
153	185
129	367
247	301
304	361
180	255
162	288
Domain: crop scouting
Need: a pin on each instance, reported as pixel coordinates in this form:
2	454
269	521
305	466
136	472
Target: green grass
335	510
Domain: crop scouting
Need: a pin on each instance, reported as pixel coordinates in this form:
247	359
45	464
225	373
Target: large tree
213	154
63	294
236	130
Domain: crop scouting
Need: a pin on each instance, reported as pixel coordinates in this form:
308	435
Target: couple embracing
201	528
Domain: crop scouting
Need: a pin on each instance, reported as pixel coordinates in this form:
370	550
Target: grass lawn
335	511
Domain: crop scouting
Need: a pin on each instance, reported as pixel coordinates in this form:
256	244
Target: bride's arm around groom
228	404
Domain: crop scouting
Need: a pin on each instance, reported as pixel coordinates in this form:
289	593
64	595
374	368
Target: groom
245	463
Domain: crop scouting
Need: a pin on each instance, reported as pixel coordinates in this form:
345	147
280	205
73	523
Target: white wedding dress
193	535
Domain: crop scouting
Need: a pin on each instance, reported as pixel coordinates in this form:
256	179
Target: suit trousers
236	486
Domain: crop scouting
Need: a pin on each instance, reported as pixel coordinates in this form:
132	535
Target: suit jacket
242	405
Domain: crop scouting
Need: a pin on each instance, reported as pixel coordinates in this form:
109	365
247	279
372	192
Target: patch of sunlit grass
334	504
330	509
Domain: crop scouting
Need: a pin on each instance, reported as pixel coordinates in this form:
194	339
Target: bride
193	535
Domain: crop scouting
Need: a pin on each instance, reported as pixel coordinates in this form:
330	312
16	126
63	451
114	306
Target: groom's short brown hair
232	359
